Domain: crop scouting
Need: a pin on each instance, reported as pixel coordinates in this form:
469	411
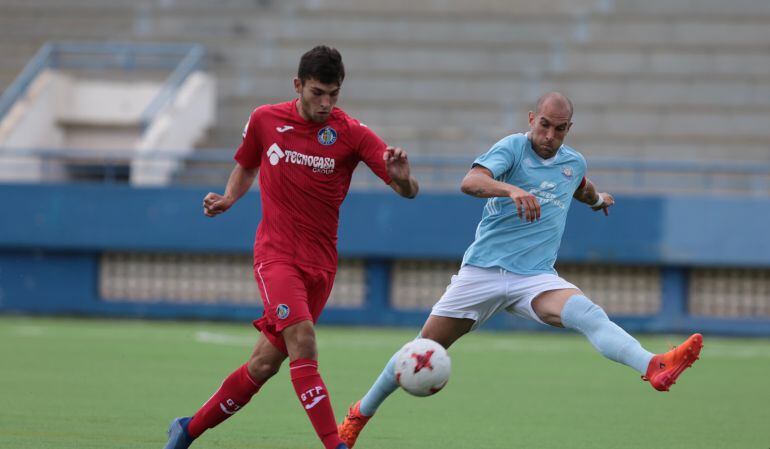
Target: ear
531	119
297	86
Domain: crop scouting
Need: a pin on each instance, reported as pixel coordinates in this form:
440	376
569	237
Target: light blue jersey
502	238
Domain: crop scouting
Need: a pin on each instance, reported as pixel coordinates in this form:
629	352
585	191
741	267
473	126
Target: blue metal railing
182	59
37	64
190	63
444	172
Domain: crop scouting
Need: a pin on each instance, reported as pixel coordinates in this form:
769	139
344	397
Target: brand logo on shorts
282	311
327	135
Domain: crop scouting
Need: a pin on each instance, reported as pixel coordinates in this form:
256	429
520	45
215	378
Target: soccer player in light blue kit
529	180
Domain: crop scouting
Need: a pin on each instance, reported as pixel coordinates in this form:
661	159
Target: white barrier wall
175	131
104	118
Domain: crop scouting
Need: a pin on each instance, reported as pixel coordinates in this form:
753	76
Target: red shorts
290	293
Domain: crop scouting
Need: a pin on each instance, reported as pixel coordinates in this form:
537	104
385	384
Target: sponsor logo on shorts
282	311
327	136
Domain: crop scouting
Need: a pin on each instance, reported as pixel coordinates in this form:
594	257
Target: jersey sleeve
370	150
249	154
501	157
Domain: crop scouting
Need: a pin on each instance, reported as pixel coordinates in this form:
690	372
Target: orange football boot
664	369
352	425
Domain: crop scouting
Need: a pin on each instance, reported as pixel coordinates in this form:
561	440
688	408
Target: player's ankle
332	441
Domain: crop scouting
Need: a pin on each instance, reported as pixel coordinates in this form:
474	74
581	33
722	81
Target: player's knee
261	370
551	319
301	343
581	312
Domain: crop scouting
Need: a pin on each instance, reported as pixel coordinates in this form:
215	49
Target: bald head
554	101
549	124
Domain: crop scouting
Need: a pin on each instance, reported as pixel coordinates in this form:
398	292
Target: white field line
224	339
29	331
716	350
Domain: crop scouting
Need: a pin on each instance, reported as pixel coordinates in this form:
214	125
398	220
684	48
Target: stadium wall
53	238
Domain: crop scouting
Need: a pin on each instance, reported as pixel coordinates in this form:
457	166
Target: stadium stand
671	97
446	77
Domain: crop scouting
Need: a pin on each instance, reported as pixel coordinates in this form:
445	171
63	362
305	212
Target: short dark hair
322	63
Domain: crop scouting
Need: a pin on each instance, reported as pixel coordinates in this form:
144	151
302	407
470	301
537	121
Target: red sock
235	392
312	392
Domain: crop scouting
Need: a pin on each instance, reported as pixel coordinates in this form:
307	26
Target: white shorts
478	293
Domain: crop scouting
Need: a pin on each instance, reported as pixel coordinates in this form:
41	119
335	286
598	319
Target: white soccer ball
422	367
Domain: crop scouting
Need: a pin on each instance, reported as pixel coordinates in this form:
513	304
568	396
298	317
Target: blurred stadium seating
672	99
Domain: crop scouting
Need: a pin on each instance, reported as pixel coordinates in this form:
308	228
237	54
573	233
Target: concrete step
719	31
734	8
590	88
451	8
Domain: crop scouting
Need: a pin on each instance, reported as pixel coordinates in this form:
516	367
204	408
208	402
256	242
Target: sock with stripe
235	392
314	396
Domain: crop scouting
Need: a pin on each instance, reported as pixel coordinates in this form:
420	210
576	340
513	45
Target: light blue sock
584	316
382	388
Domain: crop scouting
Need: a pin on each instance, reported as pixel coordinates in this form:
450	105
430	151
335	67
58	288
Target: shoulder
513	143
350	125
270	109
342	118
574	154
261	112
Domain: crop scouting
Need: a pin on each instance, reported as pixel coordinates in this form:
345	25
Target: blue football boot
178	438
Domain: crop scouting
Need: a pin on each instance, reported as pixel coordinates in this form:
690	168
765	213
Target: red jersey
304	174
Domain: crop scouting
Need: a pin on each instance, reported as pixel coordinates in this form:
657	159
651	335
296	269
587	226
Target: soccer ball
422	367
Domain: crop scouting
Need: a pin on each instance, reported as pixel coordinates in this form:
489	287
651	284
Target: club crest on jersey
282	311
327	135
567	172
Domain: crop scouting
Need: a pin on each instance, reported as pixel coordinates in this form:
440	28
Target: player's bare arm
480	183
238	184
397	164
597	200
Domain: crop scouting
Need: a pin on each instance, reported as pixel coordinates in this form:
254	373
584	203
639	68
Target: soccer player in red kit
305	152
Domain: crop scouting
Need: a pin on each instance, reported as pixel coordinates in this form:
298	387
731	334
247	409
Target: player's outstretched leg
234	393
613	342
581	314
360	412
441	329
665	369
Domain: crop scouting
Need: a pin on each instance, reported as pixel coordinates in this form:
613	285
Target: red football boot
352	425
664	369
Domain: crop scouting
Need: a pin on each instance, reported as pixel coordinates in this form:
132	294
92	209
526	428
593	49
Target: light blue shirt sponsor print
502	238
